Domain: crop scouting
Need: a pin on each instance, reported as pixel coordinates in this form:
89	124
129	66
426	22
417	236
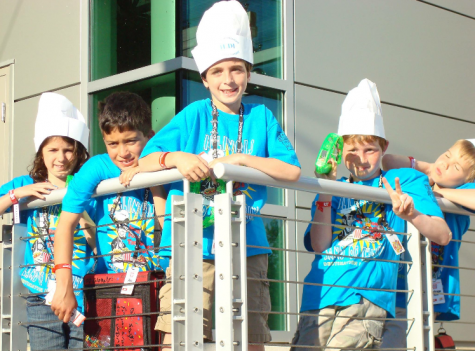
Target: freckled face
363	160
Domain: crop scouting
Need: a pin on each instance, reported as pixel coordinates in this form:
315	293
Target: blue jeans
50	336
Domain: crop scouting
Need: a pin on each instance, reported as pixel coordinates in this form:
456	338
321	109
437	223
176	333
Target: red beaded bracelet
11	193
161	160
62	265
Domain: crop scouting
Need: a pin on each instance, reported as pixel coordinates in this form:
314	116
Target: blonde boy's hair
467	152
360	139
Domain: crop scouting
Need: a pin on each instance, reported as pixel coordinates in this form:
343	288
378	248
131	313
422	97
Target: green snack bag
332	148
208	189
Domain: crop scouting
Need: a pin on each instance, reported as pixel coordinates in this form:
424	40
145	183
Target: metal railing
231	310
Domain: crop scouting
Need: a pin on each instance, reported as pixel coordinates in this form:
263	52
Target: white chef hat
361	112
57	116
472	141
223	33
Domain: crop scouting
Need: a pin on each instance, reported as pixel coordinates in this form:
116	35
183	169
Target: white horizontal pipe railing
320	186
112	186
245	175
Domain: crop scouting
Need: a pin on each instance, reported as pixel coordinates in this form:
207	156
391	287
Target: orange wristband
161	160
62	265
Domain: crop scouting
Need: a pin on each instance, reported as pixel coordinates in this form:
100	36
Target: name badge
130	278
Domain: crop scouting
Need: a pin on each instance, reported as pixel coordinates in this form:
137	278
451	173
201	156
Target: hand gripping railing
230	239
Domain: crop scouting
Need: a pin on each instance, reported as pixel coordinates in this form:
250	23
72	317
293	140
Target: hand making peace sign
403	205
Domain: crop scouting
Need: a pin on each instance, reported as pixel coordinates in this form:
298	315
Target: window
130	34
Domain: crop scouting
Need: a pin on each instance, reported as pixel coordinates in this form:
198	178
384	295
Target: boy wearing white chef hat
224	130
452	176
352	279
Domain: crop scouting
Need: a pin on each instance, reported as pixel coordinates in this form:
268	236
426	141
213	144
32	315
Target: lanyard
125	224
381	221
214	131
43	228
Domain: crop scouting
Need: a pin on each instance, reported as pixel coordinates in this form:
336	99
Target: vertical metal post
427	296
187	272
231	272
5	299
13	305
417	336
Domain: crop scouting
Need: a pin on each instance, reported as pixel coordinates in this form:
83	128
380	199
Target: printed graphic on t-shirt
437	255
285	141
229	147
363	241
42	248
124	237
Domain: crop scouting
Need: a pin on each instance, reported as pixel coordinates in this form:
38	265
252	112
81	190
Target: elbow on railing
294	174
444	239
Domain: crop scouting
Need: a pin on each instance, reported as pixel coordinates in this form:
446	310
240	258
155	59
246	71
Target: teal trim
103	39
163	45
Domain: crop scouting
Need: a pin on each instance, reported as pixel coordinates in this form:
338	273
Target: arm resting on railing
192	167
463	197
433	228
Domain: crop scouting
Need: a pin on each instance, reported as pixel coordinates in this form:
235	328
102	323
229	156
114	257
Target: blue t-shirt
449	256
190	131
450	309
40	249
111	238
356	272
16	183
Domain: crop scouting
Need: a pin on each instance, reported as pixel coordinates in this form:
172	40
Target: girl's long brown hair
38	171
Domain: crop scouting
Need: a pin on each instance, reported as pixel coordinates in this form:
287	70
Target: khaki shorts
394	333
258	299
324	329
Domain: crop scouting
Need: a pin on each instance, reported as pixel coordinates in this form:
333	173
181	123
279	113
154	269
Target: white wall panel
420	56
24	129
43	38
466	7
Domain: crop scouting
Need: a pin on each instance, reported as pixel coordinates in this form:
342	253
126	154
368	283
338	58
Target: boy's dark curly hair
125	111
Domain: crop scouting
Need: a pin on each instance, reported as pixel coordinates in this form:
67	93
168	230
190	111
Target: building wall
421	58
43	39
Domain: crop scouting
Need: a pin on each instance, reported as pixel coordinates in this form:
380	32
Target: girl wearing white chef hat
61	140
452	175
364	235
